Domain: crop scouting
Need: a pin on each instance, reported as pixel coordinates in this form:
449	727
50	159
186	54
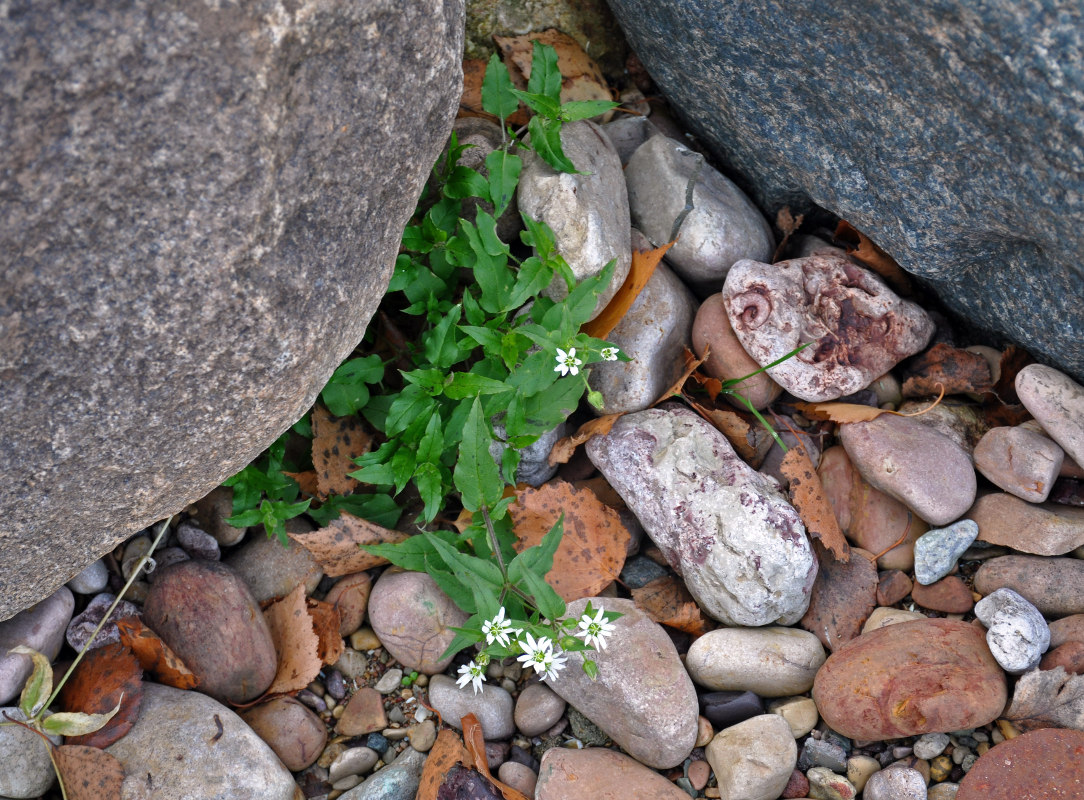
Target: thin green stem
494	545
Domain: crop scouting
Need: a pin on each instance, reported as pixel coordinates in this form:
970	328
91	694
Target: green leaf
431	489
476	475
402	464
533	276
432	444
548	601
453	587
245	519
487	337
346	391
549	409
504	169
545	76
378	508
465	182
590	669
76	723
540	104
537	559
482	568
410	554
546	141
444	216
584	109
415	240
497	97
464	637
439	345
413	402
468	384
431	381
39	685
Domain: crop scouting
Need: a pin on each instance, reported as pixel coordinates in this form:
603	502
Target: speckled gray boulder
398	781
858	327
588	212
1016	631
25	768
895	783
936	551
492	706
1057	402
725	528
673	192
40	628
413	619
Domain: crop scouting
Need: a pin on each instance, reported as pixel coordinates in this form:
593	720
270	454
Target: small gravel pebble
937	551
931	745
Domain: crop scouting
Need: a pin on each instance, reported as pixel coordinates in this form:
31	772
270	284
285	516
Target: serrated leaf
468	384
584	109
76	723
546	141
39	685
497	97
504	170
465	182
476	475
540	104
545	75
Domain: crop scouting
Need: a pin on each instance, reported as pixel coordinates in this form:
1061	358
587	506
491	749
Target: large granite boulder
200	205
948	132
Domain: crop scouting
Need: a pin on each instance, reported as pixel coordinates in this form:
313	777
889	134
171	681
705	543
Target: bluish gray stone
939	99
936	551
91	580
1016	631
931	745
399	781
817	753
895	783
41	628
25	768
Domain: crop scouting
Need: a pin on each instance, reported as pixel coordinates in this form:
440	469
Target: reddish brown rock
364	713
1069	655
294	732
1020	461
892	586
1055	586
413	619
844	594
600	774
1046	764
1067	629
1048	529
950	595
797	786
918	677
350	595
727	359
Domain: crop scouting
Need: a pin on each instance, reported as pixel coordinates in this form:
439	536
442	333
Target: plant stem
494	544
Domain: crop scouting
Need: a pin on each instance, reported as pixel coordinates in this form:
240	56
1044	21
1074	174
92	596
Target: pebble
599	774
534	467
1055	586
364	639
1047	529
352	664
819	753
727	359
1044	764
492	706
699	773
754	759
91	580
826	785
892	586
1067	629
196	542
949	595
163	558
519	776
538	708
25	767
1016	631
704	731
1019	461
211	513
364	713
654	333
923	469
799	712
722	227
587	212
917	677
882	617
295	733
1057	403
82	626
943	791
723	709
206	614
40	627
863	329
940	768
937	551
423	736
350	596
726	528
134	550
390	681
413	619
271	570
931	745
797	786
627	132
859	770
771	661
896	783
1068	656
173	747
398	781
352	761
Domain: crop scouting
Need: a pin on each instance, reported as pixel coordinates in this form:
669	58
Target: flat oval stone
271	570
1067	629
1057	402
950	595
1047	529
726	358
538	708
1020	461
492	706
599	774
754	759
1016	632
294	732
772	662
1043	764
723	709
413	619
1055	586
923	469
40	627
917	677
350	595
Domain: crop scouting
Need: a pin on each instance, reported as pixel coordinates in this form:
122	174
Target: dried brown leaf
807	495
336	442
107	675
839	412
474	740
562	451
306	480
445	754
88	773
336	549
958	371
643	267
296	643
326	623
788	224
592	550
581	78
750	441
1049	698
154	655
861	247
667	601
1013	359
691	364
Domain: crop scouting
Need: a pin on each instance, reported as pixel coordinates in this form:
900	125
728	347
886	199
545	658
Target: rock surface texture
919	79
199	211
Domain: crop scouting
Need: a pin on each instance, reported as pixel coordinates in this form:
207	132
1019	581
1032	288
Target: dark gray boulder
952	133
200	206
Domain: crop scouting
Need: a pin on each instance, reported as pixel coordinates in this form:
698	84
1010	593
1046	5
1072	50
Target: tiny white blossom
594	631
609	353
536	654
567	363
498	629
471	673
551	665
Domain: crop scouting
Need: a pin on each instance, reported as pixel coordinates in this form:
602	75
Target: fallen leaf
691	363
592	550
562	451
581	78
713	386
107	675
861	247
336	442
326	623
1049	698
959	371
470	101
445	754
843	596
604	492
1013	359
475	742
88	773
643	267
154	655
668	602
336	547
296	643
306	480
788	224
839	412
807	495
749	440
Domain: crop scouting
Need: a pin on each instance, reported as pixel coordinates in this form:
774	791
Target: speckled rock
725	528
91	580
727	359
918	466
40	627
1020	461
1047	529
860	769
827	785
538	708
293	731
753	760
719	227
937	551
189	746
599	774
210	513
896	783
271	570
916	677
1040	765
196	542
1057	402
534	467
413	619
1055	586
859	327
588	212
397	781
25	767
1016	631
82	626
654	333
492	706
643	698
772	662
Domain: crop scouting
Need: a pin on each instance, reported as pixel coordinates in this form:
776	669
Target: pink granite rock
727	359
1020	461
1057	402
1046	529
600	774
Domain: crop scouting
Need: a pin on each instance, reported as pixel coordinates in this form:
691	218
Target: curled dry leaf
592	550
643	267
475	742
326	623
107	675
958	371
668	602
691	364
852	412
788	225
336	442
445	754
306	481
88	773
336	547
749	440
807	495
154	655
1049	698
581	78
564	448
861	247
296	643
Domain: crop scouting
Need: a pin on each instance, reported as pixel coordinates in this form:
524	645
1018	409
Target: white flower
471	673
498	629
551	665
594	631
536	654
609	353
567	363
